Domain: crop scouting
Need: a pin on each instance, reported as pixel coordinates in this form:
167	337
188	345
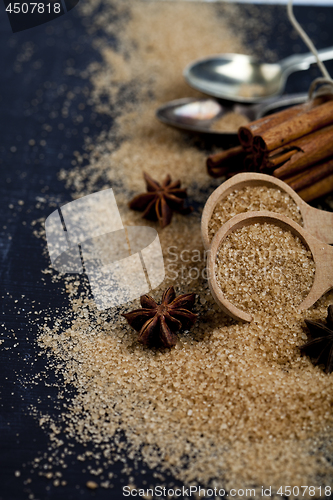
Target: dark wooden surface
33	87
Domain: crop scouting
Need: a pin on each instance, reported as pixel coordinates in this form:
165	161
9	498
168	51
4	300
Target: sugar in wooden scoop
252	198
261	267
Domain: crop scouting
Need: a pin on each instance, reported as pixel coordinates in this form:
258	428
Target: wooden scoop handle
322	256
323	282
319	223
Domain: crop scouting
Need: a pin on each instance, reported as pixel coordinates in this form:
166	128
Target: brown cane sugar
252	198
262	266
232	405
230	122
252	90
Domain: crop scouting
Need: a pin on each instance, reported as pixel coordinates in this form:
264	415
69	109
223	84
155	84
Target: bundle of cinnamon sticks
295	145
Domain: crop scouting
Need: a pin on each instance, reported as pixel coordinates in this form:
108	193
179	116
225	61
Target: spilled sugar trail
233	405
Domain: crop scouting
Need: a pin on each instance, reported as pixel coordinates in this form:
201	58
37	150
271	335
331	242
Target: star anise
158	323
161	200
320	347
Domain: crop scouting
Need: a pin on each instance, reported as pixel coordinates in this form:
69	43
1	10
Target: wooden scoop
317	222
322	255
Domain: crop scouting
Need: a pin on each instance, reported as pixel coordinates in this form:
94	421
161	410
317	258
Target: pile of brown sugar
262	266
253	198
232	405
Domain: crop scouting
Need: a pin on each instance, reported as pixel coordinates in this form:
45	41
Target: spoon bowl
318	223
202	115
322	255
242	78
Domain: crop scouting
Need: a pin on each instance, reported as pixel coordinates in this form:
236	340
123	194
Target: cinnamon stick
278	157
258	160
249	131
311	175
318	189
248	163
248	166
220	164
313	148
305	162
295	127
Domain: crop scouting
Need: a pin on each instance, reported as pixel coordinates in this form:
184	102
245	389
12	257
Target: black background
38	67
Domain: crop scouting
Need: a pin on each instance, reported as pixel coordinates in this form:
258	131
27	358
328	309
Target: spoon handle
323	281
273	104
318	222
303	61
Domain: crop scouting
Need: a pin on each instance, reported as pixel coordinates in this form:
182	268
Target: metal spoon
200	115
242	78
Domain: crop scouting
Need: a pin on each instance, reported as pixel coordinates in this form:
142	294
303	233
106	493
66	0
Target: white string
326	78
